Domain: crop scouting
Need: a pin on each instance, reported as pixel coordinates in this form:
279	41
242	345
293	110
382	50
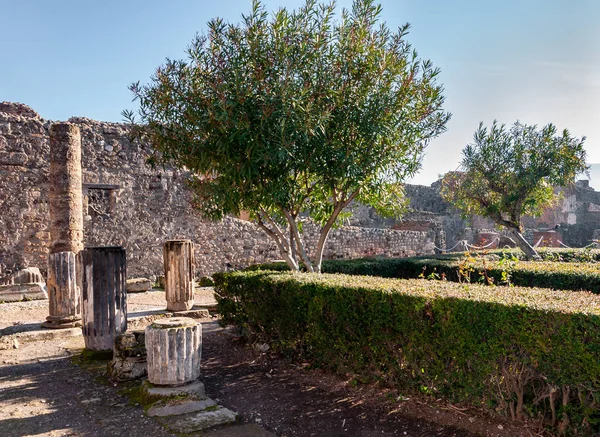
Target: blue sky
537	61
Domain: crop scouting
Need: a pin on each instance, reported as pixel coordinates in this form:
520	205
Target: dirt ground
43	393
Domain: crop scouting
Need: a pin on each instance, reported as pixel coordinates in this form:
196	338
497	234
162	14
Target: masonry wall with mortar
128	203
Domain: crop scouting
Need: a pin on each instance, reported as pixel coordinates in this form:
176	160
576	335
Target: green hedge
561	254
466	343
543	274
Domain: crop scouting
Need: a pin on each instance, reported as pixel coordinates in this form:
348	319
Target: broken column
178	256
173	348
66	225
104	296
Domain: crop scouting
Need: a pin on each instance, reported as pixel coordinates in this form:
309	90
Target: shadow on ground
56	398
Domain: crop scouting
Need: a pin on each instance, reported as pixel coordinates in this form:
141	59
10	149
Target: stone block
194	388
198	313
127	369
129	357
29	275
18	292
193	422
138	285
179	407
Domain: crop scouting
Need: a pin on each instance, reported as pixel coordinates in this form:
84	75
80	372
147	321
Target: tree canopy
295	112
508	173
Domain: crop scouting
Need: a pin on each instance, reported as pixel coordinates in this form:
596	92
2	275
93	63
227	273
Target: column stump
174	348
63	293
178	256
104	295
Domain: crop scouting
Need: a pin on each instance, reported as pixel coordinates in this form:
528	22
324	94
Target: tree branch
338	207
292	263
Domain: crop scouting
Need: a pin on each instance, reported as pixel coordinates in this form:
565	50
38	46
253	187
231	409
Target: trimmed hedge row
458	268
561	254
519	351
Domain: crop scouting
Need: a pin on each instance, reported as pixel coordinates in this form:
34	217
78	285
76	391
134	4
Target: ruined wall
128	203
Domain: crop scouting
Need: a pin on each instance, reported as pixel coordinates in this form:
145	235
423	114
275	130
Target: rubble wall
128	203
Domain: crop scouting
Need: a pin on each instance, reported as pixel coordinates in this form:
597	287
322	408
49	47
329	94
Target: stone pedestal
178	258
63	292
173	348
104	296
66	225
129	357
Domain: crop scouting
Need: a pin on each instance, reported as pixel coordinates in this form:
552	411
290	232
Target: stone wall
128	203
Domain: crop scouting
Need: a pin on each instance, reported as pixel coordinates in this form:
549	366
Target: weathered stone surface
131	344
199	313
179	274
65	195
193	422
129	356
31	333
138	285
18	292
13	158
194	388
181	407
103	294
139	208
29	275
173	348
64	297
18	109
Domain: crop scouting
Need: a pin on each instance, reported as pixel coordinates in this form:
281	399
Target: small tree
510	173
295	114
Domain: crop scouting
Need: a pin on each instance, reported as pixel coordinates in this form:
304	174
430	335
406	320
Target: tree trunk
524	245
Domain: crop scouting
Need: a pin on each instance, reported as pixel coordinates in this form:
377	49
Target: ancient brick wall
128	203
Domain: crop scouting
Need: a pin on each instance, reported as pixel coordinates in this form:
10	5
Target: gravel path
56	398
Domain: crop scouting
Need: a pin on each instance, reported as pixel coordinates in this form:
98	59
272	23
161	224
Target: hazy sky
537	61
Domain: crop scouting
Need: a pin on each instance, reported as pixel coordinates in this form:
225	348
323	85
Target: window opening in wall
99	200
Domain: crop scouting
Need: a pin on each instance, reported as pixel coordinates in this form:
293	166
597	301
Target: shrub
520	351
559	254
461	268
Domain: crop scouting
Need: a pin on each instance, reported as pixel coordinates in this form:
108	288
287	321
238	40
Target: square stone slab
180	407
195	388
187	423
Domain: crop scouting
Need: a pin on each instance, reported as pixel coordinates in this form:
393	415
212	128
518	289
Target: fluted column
104	296
173	348
66	225
63	293
178	256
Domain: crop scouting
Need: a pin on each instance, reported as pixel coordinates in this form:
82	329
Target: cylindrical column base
63	292
104	296
173	348
178	258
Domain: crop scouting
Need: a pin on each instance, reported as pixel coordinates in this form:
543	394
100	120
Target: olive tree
509	173
295	113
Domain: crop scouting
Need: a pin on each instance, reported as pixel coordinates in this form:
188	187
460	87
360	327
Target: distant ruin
574	221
